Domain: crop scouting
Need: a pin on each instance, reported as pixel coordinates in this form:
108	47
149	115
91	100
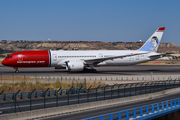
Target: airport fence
37	94
150	111
86	95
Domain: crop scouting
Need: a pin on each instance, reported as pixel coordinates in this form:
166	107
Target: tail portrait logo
154	42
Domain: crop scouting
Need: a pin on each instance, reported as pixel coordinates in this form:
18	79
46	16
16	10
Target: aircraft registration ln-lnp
81	60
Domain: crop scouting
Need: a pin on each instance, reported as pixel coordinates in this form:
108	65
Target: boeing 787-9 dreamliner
82	59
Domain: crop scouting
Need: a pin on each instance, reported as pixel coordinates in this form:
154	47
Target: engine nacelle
74	65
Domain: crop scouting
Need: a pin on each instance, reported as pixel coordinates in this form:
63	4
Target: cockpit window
9	56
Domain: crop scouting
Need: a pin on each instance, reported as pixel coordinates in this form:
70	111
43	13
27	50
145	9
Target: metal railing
144	112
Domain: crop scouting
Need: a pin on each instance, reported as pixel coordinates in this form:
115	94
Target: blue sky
89	20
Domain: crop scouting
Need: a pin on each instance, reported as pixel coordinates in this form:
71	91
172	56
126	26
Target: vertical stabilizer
153	42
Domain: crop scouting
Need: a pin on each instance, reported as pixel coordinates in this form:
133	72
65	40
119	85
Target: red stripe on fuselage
28	59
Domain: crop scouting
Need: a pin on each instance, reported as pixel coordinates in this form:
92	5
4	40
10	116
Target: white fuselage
58	58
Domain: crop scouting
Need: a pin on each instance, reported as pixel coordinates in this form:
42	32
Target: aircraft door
54	57
137	57
130	58
100	55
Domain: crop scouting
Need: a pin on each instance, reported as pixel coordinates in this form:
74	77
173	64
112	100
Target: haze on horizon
83	20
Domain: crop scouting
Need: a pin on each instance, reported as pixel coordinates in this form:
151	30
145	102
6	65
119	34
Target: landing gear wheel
16	71
93	70
86	70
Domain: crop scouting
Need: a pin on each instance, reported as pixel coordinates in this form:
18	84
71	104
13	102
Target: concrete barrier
92	104
80	107
65	109
13	116
50	111
42	113
24	115
59	110
73	108
34	113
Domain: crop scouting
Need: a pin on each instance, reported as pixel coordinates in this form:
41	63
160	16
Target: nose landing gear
16	70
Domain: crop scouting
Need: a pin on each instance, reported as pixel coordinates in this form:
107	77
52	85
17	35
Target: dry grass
26	87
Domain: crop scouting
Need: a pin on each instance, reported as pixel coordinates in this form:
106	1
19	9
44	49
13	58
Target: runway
101	71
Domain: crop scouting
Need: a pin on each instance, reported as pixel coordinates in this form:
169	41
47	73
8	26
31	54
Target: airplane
81	60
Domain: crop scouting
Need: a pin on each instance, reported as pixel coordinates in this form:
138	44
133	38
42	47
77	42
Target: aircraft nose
3	62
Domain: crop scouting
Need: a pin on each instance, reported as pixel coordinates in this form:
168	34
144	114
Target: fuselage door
54	57
137	57
100	55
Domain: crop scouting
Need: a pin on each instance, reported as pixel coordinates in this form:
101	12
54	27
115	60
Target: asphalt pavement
101	71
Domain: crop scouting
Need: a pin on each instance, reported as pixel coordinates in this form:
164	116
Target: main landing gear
16	70
89	70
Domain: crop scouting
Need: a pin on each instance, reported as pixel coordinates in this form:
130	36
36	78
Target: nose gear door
54	57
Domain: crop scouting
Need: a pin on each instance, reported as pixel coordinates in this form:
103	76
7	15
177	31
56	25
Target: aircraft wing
98	60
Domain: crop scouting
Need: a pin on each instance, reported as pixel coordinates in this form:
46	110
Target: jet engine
74	65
